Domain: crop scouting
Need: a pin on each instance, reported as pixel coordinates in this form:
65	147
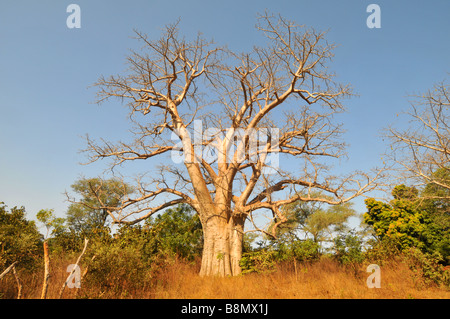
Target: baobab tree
247	108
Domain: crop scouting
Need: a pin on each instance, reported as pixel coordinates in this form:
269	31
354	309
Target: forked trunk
222	246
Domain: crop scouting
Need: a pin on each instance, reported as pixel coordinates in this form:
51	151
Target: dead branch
73	269
8	269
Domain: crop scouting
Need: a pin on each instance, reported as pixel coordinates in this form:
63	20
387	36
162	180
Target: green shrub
300	250
427	266
117	268
260	261
19	239
382	251
348	248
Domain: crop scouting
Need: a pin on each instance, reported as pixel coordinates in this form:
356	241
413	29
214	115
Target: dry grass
322	279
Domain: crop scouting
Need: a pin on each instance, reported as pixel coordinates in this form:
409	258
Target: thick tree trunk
222	246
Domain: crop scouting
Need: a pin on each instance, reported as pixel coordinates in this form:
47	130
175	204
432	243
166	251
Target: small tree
179	231
86	215
315	220
51	222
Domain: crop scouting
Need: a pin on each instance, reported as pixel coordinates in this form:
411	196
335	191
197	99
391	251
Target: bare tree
422	151
182	89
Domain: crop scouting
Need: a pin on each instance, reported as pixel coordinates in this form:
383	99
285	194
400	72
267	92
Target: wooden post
46	271
295	269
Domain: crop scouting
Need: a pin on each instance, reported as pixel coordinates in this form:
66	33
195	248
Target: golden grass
322	279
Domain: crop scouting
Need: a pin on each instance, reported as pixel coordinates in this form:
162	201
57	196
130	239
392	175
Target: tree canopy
19	238
403	222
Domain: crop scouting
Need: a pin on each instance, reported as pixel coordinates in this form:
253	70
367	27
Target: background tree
51	222
284	85
402	222
85	216
20	239
316	220
422	151
179	231
422	155
436	199
137	252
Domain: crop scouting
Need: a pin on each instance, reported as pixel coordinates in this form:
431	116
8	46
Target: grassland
325	278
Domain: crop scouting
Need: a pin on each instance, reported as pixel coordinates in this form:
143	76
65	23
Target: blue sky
46	105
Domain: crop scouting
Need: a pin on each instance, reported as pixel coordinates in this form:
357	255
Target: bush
117	269
260	261
382	251
300	250
19	239
134	256
264	259
348	248
427	266
178	231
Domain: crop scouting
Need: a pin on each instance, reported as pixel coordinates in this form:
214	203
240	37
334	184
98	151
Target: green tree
20	239
435	199
51	222
83	217
402	222
315	220
179	231
58	234
323	223
348	248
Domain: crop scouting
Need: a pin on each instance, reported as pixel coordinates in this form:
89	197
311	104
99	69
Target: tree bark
222	248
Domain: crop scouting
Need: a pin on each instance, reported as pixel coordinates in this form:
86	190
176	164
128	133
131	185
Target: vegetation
173	249
19	238
403	222
144	260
